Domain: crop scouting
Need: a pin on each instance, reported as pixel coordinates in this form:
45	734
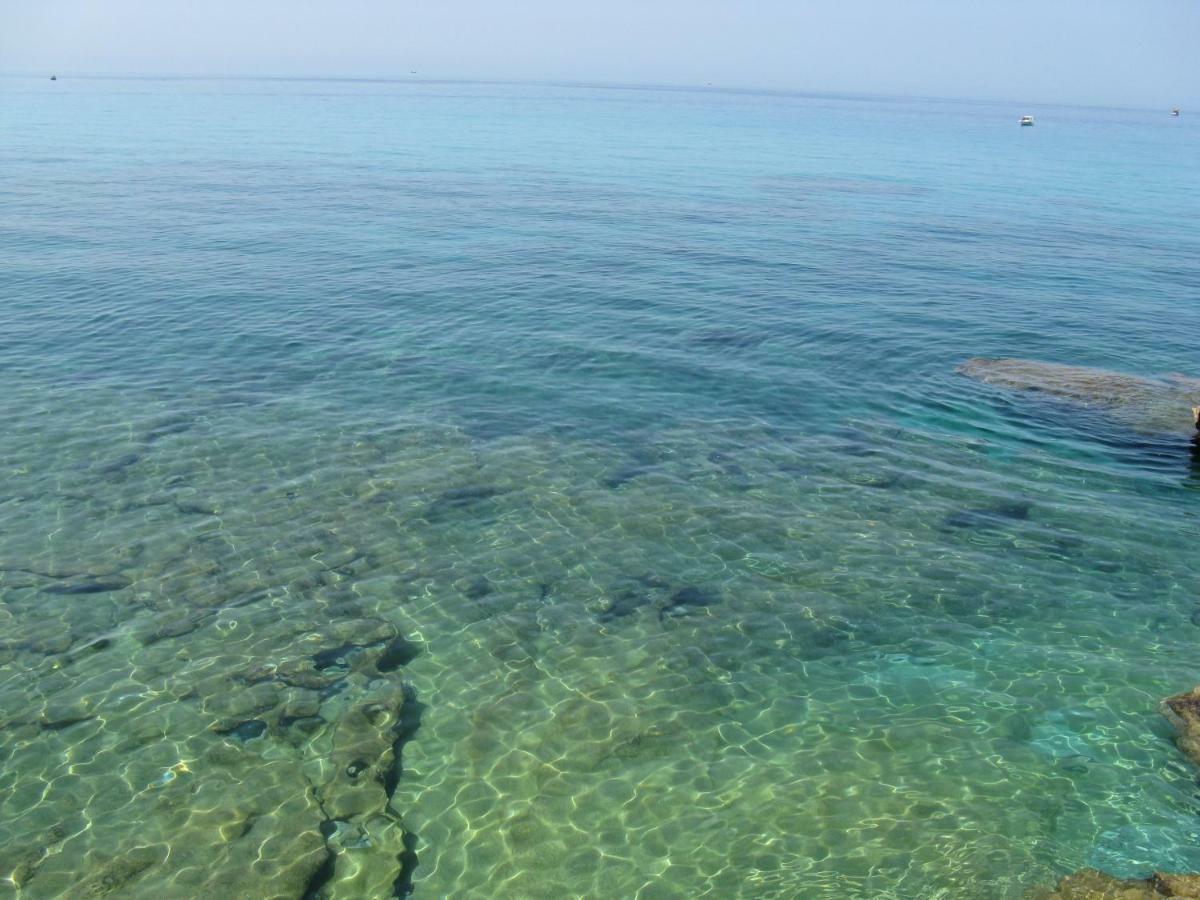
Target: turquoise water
528	491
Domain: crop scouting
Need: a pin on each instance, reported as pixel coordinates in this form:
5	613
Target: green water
486	491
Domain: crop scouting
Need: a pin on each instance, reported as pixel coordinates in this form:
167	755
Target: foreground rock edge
1183	711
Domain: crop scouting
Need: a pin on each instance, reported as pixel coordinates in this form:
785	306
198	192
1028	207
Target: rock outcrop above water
1153	405
1092	885
1184	712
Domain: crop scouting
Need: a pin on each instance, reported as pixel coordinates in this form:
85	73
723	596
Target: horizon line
564	83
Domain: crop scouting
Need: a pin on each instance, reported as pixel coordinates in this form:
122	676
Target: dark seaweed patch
333	689
408	724
460	499
727	464
406	727
685	598
403	885
626	603
726	338
624	475
112	467
58	724
989	516
245	827
399	652
334	656
881	479
315	889
246	731
304	723
166	429
99	586
653	581
1074	764
195	508
478	588
857	449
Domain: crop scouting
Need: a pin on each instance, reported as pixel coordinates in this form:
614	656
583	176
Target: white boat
1175	110
1026	120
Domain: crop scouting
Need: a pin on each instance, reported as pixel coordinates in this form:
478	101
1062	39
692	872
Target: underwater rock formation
276	780
1167	405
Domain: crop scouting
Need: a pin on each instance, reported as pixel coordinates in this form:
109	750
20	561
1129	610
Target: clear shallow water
531	491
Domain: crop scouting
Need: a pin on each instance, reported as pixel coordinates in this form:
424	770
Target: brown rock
1176	885
1089	884
1184	712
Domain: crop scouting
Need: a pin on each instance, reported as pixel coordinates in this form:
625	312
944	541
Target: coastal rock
1168	405
1177	885
1184	712
1089	884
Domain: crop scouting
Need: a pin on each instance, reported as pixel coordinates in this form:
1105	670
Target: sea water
476	490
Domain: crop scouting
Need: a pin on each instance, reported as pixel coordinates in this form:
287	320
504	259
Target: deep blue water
635	411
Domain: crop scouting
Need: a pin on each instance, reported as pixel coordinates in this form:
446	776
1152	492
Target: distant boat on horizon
1175	110
1026	120
54	78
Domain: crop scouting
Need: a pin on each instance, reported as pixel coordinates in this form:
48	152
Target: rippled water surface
522	491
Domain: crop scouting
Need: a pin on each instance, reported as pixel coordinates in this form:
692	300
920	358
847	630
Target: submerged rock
1167	405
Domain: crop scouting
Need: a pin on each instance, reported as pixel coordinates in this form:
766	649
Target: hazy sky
1121	52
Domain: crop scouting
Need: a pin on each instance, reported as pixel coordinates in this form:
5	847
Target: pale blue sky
1119	52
